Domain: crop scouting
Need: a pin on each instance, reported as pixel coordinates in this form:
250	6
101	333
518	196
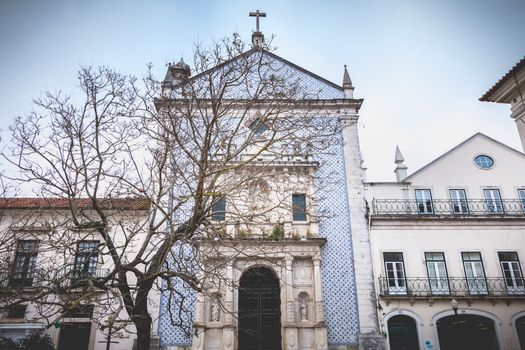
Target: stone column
199	309
318	292
290	332
198	337
290	310
228	302
228	330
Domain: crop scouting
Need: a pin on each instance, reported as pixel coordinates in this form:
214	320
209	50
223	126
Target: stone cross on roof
257	14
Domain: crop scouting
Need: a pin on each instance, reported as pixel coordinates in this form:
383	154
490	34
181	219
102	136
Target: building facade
50	272
510	89
294	284
448	249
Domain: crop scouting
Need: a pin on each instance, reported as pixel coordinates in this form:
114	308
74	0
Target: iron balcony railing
471	207
424	287
80	278
68	277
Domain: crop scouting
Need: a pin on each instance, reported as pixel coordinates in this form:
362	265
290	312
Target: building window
17	311
484	162
86	259
510	266
437	273
395	273
81	311
458	199
299	207
258	126
521	195
474	272
218	208
25	260
493	201
424	202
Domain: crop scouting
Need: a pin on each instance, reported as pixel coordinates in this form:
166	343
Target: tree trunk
143	325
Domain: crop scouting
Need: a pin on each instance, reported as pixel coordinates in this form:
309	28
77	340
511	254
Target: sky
419	65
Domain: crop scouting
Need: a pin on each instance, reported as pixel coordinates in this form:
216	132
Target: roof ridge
256	49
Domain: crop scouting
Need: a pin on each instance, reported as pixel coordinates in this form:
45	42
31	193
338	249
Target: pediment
246	73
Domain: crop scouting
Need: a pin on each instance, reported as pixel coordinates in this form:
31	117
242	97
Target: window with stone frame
218	208
25	262
299	207
16	311
86	259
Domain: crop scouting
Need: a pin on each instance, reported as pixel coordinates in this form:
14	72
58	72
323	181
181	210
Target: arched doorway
520	330
259	310
466	331
402	333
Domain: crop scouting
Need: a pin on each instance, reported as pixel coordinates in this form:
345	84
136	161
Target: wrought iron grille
415	287
471	207
78	277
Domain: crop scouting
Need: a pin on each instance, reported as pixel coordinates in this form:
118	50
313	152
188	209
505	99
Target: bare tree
149	170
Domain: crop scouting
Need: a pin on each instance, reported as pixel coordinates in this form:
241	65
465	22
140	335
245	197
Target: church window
484	162
218	209
299	207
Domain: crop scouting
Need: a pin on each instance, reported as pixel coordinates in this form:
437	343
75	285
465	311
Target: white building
510	89
448	246
43	258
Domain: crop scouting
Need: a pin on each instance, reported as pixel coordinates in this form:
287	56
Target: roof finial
347	84
399	157
401	169
257	36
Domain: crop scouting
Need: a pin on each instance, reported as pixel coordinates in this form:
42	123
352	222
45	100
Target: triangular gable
457	148
311	84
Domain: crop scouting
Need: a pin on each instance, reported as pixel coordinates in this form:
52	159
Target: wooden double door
259	310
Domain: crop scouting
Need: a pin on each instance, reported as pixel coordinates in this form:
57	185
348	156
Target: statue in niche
303	308
215	310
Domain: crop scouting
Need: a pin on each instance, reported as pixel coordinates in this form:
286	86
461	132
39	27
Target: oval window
484	162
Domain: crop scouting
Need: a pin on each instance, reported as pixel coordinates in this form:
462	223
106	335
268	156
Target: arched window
402	333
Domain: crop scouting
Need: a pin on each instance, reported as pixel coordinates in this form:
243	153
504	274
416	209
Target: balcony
65	278
457	287
447	207
77	278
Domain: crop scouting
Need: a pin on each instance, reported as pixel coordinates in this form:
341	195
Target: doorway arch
467	331
519	327
259	310
402	333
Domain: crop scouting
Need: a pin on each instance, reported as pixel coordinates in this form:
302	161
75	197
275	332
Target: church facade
289	282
